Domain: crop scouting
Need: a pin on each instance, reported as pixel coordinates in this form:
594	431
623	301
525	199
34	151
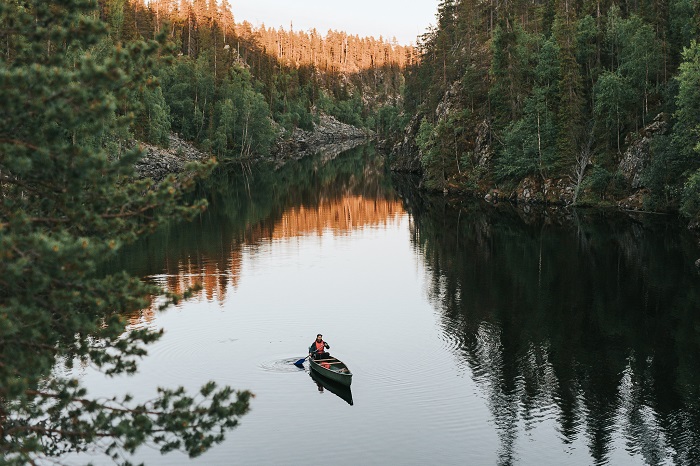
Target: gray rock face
328	132
552	191
483	151
449	102
158	162
638	154
329	137
405	154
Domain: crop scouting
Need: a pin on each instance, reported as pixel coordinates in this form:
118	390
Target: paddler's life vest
320	347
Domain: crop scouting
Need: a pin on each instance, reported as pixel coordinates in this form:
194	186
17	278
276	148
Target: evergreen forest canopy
68	201
560	90
560	86
81	81
228	81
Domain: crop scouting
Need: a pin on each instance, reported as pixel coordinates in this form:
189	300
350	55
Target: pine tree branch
48	431
85	401
18	142
31	187
130	214
63	220
53	220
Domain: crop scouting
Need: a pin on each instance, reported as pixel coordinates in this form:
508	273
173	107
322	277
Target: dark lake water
476	334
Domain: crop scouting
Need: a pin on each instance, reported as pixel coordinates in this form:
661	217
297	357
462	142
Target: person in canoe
318	348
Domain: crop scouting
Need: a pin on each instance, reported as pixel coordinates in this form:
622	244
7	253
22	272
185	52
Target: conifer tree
687	127
571	105
531	141
686	132
66	205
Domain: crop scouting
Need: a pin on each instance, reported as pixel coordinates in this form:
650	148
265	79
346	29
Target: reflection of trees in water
591	319
309	197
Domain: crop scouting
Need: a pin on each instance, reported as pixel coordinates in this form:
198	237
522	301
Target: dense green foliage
80	81
205	95
230	117
67	203
223	84
564	88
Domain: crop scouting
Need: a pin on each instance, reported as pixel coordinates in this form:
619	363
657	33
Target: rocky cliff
158	162
638	154
328	137
327	132
481	149
405	153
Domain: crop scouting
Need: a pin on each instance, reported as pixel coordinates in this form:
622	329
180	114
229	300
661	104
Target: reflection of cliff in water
325	151
311	197
586	318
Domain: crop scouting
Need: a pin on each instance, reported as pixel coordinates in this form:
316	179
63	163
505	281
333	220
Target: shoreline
330	136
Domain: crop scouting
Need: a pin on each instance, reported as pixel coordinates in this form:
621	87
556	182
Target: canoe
333	369
341	391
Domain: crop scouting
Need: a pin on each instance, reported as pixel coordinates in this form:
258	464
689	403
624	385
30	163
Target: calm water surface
476	335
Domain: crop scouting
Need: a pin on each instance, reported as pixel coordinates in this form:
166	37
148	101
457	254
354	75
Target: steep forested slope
221	83
562	100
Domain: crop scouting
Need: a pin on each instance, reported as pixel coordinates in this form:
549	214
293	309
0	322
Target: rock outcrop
158	162
558	191
405	154
328	132
638	154
634	201
449	104
483	150
329	137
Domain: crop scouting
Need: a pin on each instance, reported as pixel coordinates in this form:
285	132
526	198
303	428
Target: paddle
300	362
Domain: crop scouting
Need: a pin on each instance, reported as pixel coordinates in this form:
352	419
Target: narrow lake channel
476	334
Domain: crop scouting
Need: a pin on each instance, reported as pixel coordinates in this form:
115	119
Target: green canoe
333	369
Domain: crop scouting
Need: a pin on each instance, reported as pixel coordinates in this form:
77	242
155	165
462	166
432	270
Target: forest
231	88
82	84
563	92
496	96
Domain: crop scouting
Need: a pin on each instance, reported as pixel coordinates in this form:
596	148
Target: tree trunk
582	161
539	146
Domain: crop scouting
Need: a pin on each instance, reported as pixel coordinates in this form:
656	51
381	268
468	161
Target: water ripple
281	366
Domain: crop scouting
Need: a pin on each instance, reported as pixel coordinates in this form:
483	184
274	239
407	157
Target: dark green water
476	334
594	313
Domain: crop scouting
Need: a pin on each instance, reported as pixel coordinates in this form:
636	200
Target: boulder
527	190
492	196
559	191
